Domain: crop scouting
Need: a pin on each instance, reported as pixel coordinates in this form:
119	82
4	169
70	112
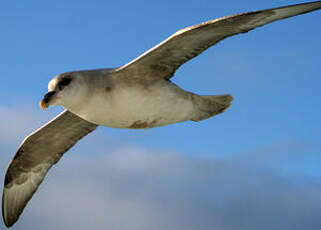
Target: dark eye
64	82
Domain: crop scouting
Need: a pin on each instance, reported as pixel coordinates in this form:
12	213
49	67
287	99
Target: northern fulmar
138	95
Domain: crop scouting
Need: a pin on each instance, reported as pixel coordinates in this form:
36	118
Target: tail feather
208	106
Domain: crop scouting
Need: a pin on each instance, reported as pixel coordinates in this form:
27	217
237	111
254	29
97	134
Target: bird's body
125	102
137	95
125	106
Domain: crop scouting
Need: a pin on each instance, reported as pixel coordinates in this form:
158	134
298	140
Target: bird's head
60	88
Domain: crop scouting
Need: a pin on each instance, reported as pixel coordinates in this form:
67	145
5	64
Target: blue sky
271	130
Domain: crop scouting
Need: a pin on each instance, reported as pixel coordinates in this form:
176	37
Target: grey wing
38	152
164	59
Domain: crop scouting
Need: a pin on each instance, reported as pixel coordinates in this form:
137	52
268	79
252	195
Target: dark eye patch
65	81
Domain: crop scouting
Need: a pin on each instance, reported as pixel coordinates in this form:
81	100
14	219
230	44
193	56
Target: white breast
138	107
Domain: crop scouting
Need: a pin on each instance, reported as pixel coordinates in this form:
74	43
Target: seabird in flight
137	95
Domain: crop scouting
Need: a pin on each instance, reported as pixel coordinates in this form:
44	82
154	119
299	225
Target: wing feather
36	155
164	59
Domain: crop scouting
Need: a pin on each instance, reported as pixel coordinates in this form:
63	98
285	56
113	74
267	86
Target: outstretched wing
38	152
164	59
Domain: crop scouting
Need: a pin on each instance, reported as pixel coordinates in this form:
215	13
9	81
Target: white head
65	90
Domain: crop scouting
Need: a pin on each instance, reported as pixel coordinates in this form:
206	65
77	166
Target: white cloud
18	122
134	188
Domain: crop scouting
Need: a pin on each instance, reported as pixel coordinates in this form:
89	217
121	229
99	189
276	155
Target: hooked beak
44	103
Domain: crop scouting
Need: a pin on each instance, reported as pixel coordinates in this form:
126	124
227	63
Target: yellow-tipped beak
45	102
43	105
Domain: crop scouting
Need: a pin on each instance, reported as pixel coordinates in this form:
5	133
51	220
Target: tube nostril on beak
44	103
48	95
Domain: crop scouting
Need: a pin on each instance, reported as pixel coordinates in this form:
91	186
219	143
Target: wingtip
5	220
9	225
8	222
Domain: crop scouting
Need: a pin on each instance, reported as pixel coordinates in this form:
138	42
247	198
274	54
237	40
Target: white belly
138	107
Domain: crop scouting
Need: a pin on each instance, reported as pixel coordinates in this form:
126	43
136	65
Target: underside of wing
164	59
38	152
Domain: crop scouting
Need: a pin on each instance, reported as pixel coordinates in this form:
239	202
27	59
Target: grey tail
208	106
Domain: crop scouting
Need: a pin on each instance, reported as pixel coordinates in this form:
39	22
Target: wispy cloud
136	188
18	121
